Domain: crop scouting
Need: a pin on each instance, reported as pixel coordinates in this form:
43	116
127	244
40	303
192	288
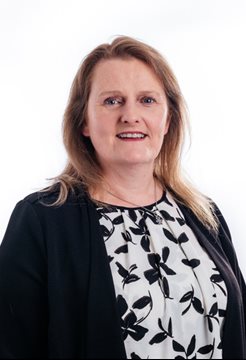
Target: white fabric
169	307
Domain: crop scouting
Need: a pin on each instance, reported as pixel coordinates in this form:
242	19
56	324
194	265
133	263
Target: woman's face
127	113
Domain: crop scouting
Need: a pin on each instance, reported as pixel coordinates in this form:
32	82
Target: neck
125	187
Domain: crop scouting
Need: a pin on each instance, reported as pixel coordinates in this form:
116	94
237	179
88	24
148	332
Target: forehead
113	73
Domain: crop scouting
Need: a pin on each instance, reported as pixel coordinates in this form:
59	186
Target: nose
130	113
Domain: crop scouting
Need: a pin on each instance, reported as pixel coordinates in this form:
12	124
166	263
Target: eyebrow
118	92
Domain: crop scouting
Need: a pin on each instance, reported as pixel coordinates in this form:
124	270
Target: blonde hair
83	168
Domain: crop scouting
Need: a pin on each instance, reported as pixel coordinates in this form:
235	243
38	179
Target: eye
148	100
113	101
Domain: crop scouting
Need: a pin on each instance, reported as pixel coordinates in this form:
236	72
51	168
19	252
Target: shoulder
39	208
222	238
35	214
48	196
40	197
223	226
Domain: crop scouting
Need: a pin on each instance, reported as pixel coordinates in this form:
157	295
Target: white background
42	44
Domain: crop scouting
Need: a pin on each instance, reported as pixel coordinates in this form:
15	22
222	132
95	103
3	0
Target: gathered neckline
120	207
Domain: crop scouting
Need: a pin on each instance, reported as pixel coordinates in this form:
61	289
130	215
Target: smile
131	136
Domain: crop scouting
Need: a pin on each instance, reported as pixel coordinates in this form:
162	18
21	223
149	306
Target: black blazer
57	296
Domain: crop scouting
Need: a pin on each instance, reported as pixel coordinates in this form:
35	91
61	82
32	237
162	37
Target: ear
167	124
85	130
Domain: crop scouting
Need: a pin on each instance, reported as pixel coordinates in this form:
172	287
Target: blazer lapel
233	341
104	337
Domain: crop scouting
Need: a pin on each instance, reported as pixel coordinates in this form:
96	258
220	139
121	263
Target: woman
121	257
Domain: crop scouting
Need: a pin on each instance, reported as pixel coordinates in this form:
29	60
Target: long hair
83	168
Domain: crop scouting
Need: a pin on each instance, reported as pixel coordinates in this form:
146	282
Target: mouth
131	136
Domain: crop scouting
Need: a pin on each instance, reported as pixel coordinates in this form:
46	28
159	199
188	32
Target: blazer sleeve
227	245
23	286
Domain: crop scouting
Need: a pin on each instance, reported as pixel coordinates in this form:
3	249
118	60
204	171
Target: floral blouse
170	295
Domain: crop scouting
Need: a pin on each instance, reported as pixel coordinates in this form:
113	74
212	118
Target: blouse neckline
120	207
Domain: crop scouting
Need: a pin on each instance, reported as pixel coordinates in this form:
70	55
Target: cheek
162	127
100	129
160	117
99	132
93	126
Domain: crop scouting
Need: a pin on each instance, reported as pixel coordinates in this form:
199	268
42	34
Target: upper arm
227	245
23	286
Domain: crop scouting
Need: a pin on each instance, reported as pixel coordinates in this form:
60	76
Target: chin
139	157
137	160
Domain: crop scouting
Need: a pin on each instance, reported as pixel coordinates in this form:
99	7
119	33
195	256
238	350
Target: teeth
132	135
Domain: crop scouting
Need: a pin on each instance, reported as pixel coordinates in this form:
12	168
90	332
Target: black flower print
142	230
164	286
170	236
132	215
182	238
145	243
140	227
180	348
131	328
166	215
219	346
124	248
129	324
151	286
204	350
105	210
212	315
141	303
127	237
193	301
107	231
165	255
180	219
216	279
165	199
154	274
127	276
118	220
135	356
154	216
161	336
193	263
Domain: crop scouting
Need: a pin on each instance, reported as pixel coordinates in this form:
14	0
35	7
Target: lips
131	135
